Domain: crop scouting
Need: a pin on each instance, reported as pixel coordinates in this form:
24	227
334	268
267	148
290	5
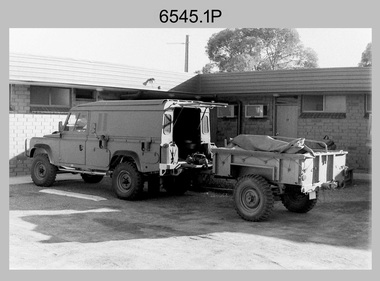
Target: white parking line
73	194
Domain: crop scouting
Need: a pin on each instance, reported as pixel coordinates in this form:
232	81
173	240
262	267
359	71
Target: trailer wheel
253	198
43	173
127	181
91	178
296	201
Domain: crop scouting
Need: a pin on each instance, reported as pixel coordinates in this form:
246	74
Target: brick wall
228	128
20	99
21	127
348	133
258	126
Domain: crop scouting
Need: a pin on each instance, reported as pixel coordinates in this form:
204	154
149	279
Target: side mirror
60	126
93	128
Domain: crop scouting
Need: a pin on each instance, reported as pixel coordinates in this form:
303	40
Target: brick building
308	103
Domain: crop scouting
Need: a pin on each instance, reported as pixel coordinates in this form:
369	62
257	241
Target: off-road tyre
253	198
127	181
176	185
91	178
296	201
43	173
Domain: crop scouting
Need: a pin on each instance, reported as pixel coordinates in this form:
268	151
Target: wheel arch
42	149
122	156
266	173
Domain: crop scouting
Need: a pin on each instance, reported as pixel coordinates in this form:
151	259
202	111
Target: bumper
176	169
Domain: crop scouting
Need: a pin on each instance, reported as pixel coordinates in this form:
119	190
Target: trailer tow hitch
329	185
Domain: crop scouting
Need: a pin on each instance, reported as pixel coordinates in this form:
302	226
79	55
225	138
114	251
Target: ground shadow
336	220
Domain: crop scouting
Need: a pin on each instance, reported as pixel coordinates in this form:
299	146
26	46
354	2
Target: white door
286	120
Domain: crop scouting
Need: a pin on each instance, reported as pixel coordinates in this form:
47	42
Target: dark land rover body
132	141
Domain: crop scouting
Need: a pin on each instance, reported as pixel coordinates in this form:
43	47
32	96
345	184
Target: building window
85	95
368	103
49	96
328	104
49	100
10	97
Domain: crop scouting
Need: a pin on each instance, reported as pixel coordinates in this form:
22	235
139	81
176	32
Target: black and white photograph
193	147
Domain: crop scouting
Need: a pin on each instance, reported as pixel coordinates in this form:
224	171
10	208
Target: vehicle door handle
80	147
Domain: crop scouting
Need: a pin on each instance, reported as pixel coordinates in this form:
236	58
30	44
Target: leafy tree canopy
254	49
366	56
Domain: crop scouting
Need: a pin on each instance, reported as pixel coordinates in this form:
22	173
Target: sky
164	48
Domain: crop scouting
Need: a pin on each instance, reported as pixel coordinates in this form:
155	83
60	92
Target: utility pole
186	52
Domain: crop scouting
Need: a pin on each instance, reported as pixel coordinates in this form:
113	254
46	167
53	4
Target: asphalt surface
51	229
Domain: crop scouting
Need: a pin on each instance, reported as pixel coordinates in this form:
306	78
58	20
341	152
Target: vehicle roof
121	102
159	103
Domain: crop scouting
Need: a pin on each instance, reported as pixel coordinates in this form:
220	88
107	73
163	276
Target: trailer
264	177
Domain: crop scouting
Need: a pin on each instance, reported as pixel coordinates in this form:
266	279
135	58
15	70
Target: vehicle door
98	155
72	149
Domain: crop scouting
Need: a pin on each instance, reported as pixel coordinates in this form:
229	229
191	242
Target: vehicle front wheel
127	181
91	178
296	201
43	172
253	198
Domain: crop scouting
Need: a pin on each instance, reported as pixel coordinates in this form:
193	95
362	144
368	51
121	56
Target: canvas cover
267	143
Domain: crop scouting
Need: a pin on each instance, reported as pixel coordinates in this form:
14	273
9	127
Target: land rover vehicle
132	141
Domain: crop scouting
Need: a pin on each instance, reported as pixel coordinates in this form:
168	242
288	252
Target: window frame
205	124
167	124
324	104
93	95
50	97
368	96
78	115
11	90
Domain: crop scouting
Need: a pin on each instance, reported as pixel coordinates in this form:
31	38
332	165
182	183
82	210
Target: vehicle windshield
76	122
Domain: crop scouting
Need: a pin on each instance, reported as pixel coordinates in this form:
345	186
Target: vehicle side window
205	127
77	122
167	124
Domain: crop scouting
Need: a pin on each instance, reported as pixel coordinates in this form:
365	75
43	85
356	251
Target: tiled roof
88	74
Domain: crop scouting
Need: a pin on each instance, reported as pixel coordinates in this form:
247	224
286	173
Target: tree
254	49
366	56
209	68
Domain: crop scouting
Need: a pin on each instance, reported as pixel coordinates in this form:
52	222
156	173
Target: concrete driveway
51	229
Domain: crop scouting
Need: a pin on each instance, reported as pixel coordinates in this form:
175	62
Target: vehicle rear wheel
91	178
127	181
296	201
43	172
253	198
